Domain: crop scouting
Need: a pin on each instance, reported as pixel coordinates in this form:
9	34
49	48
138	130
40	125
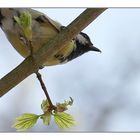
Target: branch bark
32	63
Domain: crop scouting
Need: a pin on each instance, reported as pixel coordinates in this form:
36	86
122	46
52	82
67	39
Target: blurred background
105	87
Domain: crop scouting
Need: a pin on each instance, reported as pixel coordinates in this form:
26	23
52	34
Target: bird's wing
42	18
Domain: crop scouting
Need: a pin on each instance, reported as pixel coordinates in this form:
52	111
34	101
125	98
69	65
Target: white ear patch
81	39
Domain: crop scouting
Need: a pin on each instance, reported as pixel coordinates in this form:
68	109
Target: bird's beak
92	48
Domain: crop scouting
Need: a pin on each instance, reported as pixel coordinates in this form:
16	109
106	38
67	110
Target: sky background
105	87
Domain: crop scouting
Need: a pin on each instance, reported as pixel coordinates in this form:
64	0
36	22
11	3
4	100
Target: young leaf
46	118
69	102
61	107
64	120
45	105
25	121
25	22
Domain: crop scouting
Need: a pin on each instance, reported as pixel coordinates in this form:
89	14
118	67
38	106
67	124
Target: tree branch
32	63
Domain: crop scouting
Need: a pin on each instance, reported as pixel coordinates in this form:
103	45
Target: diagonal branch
31	64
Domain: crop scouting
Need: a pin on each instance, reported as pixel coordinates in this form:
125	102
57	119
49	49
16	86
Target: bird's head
84	43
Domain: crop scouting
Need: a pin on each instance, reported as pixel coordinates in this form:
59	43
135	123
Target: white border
69	3
70	136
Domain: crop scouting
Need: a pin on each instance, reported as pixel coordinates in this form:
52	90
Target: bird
43	29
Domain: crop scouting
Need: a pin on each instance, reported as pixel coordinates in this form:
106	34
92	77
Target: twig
31	48
38	75
28	44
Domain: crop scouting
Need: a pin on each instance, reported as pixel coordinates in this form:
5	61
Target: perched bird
43	29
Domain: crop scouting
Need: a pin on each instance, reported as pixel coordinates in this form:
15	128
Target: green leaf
25	22
17	19
46	118
25	121
64	120
45	105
